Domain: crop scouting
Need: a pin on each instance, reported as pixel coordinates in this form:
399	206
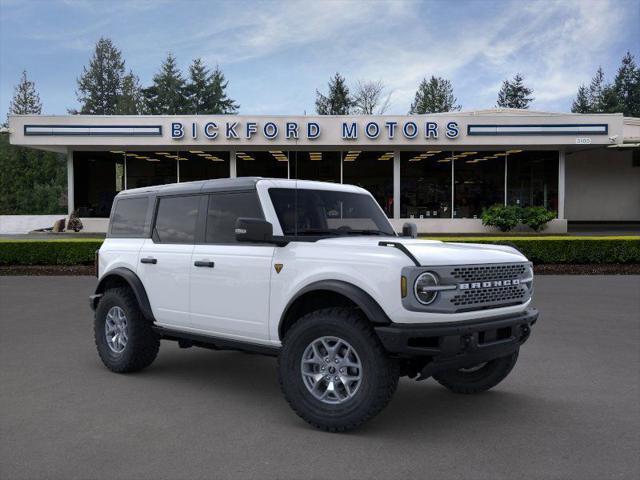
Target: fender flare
372	310
133	281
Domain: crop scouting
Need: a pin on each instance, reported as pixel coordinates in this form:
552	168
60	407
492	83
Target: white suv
314	274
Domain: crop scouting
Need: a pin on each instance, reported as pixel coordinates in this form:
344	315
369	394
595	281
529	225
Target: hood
435	252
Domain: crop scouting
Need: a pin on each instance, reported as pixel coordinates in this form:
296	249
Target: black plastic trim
402	248
362	299
448	339
136	286
215	343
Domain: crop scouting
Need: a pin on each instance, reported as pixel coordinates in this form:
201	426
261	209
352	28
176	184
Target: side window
224	210
176	219
129	216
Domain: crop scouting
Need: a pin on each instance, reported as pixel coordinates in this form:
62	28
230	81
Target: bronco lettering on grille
494	283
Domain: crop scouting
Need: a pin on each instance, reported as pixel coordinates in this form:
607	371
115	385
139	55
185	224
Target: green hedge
48	252
551	249
570	250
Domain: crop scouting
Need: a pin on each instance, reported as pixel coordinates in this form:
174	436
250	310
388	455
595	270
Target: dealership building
439	171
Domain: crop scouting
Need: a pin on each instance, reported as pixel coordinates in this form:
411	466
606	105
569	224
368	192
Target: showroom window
318	165
532	178
268	164
98	177
425	186
478	182
372	171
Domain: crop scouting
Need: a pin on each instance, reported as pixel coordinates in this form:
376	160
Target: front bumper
446	346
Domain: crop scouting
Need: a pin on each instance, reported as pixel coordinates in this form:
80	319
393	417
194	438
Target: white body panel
167	282
232	298
244	298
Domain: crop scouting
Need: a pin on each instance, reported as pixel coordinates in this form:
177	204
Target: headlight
425	288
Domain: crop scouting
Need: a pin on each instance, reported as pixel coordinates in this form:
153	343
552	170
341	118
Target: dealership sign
292	130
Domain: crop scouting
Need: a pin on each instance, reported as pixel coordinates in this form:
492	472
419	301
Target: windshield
327	212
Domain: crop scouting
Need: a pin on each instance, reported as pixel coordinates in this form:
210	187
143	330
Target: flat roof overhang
456	130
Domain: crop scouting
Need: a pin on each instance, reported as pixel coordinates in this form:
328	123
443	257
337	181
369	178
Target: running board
214	343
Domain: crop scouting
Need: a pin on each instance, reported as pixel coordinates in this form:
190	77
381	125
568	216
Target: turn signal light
403	286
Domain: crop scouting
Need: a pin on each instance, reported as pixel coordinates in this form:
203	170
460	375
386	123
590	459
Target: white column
71	204
177	170
561	176
453	185
232	164
506	169
396	184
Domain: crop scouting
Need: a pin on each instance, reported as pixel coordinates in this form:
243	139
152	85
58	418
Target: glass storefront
433	183
532	178
321	166
271	164
373	171
478	182
425	184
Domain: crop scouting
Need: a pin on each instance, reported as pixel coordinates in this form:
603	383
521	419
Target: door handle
204	263
149	260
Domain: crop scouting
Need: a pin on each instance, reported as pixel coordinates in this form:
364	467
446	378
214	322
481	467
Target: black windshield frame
310	214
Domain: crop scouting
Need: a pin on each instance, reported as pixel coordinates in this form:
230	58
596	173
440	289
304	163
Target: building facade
439	171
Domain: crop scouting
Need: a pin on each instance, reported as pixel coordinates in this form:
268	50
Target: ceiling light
162	153
444	160
151	159
434	151
196	151
514	151
116	151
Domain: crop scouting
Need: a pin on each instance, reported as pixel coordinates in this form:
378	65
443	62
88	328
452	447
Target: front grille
479	273
480	297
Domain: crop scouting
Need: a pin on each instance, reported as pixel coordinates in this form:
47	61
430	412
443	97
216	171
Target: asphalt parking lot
570	409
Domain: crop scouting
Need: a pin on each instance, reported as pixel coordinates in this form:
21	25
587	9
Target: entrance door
165	259
230	280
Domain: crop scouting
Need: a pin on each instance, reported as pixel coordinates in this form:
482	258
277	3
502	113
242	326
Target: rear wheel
477	378
124	338
333	371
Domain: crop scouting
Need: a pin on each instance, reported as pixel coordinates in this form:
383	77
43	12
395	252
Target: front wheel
333	370
477	378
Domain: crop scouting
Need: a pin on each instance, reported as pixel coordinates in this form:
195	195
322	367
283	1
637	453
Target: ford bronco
314	274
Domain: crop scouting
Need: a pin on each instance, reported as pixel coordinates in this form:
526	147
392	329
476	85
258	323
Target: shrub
567	250
503	217
537	217
48	252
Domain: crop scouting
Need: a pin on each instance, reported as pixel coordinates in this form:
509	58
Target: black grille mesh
509	294
492	272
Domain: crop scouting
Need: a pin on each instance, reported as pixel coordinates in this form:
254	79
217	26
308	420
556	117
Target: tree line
34	182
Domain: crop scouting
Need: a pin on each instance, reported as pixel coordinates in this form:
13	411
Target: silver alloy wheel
115	329
331	370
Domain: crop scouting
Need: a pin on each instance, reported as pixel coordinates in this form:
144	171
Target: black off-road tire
379	372
142	344
481	380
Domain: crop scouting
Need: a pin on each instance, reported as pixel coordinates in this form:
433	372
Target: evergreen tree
581	104
514	94
196	89
130	101
25	99
627	86
433	96
167	95
99	86
596	91
218	100
338	101
206	92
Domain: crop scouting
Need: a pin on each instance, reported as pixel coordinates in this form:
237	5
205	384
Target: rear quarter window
128	218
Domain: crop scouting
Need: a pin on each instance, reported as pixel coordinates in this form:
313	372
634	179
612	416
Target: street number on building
583	141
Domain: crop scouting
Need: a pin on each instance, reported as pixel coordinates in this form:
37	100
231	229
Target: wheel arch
330	293
122	276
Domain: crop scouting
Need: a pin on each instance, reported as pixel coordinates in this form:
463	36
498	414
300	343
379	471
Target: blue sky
275	54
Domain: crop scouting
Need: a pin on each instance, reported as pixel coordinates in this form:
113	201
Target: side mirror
255	230
410	230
